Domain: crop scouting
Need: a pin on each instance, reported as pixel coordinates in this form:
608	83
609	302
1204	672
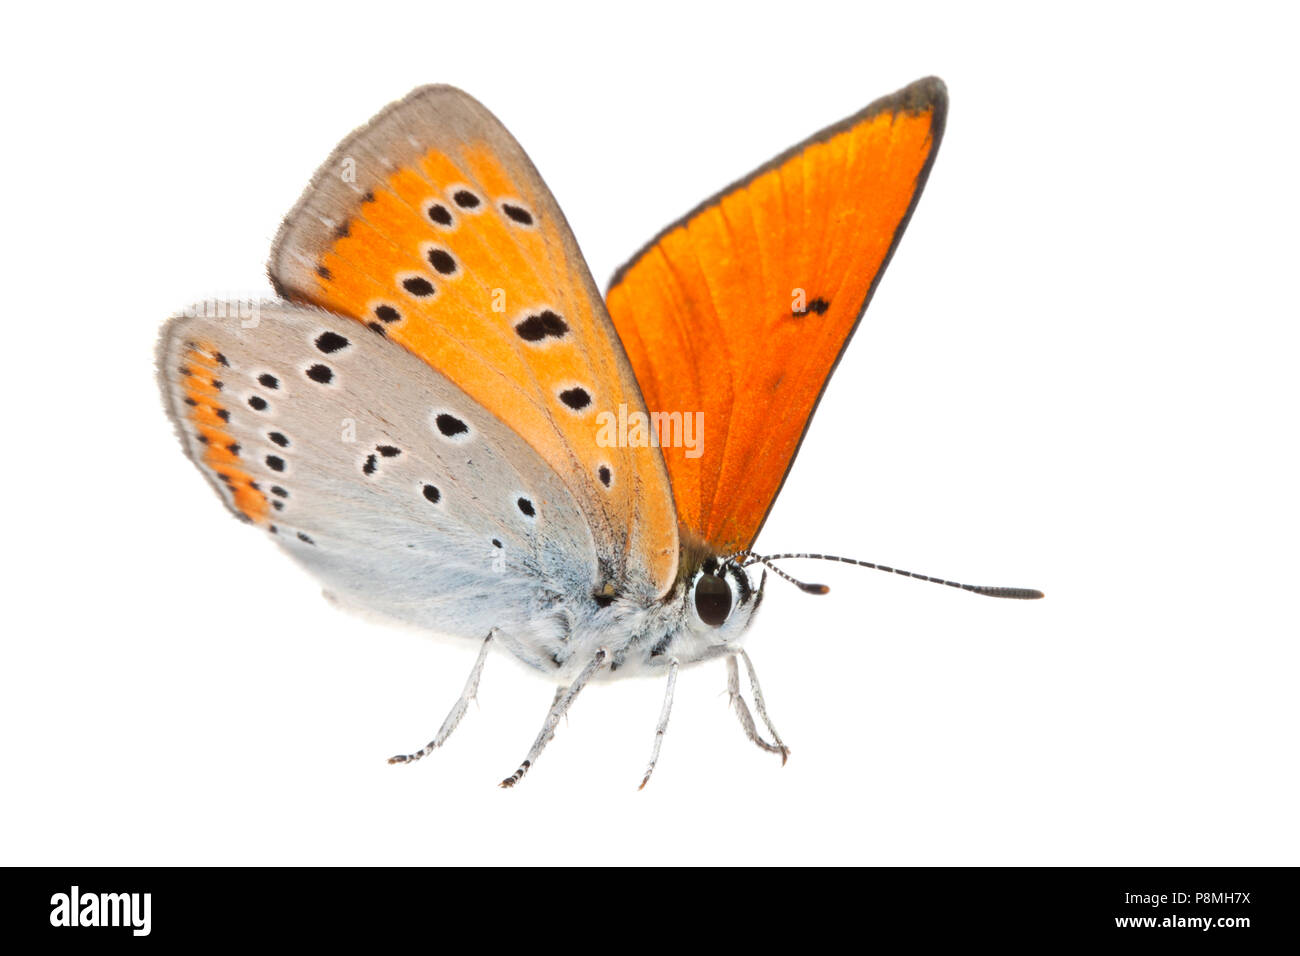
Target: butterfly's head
721	598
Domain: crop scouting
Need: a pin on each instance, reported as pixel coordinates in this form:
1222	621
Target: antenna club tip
816	589
1022	594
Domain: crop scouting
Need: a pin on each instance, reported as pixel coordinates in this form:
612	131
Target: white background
1078	375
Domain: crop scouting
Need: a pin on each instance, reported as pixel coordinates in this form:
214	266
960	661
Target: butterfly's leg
457	711
762	708
558	710
663	721
742	712
559	692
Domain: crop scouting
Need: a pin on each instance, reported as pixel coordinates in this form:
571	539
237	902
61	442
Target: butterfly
442	419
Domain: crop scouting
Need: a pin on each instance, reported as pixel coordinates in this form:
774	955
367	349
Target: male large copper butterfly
442	419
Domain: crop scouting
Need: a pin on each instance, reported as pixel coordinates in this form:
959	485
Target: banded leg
558	710
663	721
457	710
742	709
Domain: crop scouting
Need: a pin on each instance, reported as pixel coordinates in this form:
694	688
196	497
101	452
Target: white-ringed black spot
466	199
321	373
279	439
450	425
305	538
277	505
439	214
517	213
275	463
606	476
542	325
257	403
443	262
279	492
233	448
418	286
330	342
386	313
432	493
576	398
223	414
268	380
388	451
372	463
496	543
526	507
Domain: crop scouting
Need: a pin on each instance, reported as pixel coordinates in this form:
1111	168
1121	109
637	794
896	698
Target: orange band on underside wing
201	383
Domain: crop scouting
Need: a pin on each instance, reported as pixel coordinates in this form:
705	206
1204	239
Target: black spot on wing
443	262
450	425
542	325
517	213
330	342
418	286
576	398
817	305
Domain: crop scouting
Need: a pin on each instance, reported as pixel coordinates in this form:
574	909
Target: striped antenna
1020	594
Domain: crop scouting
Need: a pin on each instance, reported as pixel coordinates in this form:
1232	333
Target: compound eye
712	599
